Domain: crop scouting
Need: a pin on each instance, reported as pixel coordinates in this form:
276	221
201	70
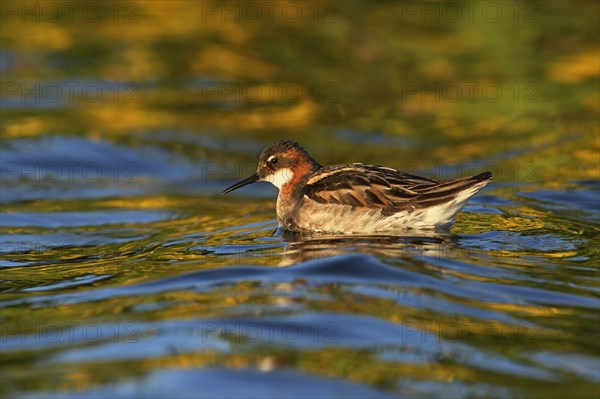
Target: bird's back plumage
370	186
365	198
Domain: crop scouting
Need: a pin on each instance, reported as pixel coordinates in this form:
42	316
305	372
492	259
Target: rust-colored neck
303	167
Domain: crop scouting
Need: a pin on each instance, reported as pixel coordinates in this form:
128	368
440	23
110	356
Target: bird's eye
274	161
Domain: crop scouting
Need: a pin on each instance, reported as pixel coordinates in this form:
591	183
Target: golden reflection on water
199	59
172	69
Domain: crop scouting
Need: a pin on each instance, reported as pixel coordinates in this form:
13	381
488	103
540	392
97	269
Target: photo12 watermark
69	12
269	332
68	92
470	92
268	92
68	332
472	332
289	12
453	12
34	252
69	172
520	172
225	172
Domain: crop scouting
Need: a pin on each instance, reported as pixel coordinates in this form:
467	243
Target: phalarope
356	198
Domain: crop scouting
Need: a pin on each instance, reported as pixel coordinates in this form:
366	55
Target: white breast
280	177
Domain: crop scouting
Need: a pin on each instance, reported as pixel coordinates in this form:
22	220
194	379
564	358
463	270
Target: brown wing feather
371	186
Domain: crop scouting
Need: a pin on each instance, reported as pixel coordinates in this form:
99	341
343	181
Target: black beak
242	183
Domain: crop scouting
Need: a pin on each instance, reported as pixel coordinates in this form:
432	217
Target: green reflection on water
464	89
370	82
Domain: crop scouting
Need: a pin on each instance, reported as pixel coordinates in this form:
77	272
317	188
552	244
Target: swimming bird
356	198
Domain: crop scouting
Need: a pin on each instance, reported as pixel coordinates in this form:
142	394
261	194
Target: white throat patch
280	178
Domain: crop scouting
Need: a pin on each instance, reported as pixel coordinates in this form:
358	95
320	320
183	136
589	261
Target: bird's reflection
303	247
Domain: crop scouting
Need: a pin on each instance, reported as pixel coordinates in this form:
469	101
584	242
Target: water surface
125	272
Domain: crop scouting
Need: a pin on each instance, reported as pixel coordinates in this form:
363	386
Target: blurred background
409	82
122	121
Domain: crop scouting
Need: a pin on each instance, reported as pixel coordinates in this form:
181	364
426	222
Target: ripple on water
43	168
75	219
227	383
75	282
516	242
579	200
412	308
